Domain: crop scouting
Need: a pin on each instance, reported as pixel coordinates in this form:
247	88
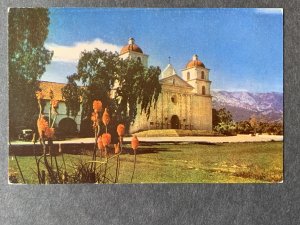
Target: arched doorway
174	122
67	127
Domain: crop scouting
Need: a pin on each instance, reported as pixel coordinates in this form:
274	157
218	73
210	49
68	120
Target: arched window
188	75
139	59
203	90
202	75
173	81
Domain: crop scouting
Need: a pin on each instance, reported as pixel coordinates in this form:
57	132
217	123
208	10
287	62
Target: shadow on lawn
86	149
177	143
147	150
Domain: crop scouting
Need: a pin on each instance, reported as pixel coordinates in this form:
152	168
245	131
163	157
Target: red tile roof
46	86
131	47
194	63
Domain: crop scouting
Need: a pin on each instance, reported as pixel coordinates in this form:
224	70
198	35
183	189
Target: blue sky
243	48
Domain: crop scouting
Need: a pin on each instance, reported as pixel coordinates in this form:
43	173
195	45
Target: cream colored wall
196	81
135	55
201	113
194	112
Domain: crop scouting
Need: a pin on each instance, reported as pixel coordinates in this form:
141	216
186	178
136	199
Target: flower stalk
134	146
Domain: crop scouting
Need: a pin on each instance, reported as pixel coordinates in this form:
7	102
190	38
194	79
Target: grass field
187	163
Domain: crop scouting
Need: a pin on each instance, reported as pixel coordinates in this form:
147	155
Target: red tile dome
195	62
131	47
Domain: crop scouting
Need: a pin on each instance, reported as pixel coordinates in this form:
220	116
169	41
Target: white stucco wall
193	111
62	113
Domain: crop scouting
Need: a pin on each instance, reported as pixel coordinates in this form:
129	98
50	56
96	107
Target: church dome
131	47
195	62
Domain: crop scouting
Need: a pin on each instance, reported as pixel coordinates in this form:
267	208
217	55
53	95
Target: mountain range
243	105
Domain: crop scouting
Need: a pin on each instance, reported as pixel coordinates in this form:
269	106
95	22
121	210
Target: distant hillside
242	105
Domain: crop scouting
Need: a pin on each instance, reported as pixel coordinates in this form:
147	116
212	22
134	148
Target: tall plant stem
133	165
118	161
93	165
62	156
53	120
36	161
50	153
95	145
20	169
48	167
105	168
50	114
56	164
117	166
40	107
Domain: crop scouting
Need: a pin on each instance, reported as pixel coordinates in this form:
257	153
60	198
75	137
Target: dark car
26	135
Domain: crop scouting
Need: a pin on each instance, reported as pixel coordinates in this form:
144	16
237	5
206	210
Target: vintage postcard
132	95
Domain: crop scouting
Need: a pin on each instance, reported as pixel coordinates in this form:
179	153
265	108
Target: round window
174	99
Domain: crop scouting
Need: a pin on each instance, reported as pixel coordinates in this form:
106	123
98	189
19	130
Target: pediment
176	81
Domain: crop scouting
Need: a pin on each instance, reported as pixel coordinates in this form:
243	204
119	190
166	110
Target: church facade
185	101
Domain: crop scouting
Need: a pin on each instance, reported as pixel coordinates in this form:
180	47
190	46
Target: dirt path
234	139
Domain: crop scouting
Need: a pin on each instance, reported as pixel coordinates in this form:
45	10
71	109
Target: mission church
184	102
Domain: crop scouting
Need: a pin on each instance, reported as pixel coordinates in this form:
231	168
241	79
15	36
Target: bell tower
197	76
133	51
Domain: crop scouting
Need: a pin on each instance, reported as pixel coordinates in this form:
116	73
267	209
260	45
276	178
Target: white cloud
63	53
270	11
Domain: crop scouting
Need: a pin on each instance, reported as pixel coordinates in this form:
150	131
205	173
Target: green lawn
187	163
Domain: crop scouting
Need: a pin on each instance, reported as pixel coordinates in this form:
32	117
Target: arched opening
67	127
202	75
174	122
188	76
203	90
139	59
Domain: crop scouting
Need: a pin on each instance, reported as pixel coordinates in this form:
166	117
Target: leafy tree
121	85
226	128
253	123
71	92
275	128
224	116
253	126
244	127
27	57
225	124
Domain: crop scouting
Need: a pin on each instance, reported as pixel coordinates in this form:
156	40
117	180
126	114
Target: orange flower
42	125
39	95
54	103
105	117
97	106
134	142
106	139
100	143
121	130
49	132
117	148
94	117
